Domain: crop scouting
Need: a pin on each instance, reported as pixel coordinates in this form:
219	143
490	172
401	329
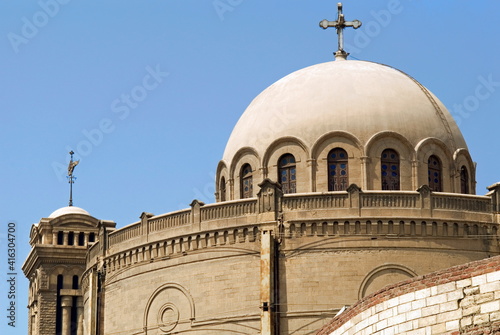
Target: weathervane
71	178
340	24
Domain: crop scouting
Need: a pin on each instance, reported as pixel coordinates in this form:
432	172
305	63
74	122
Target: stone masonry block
448	306
438	329
490	287
415	314
495	316
418	304
480	319
408	297
434	290
373	319
473	309
448	287
404	308
493	277
389	331
392	302
438	299
430	310
404	327
396	320
464	283
452	325
427	321
422	294
454	295
485	297
451	315
478	280
382	324
492	306
467	301
386	314
471	290
466	321
366	314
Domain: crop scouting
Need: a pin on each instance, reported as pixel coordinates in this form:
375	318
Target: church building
338	179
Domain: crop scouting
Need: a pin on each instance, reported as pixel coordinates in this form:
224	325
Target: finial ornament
71	178
340	24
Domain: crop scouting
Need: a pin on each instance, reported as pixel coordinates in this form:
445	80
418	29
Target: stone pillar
66	304
54	238
79	315
425	200
65	238
311	167
269	200
196	211
267	294
414	174
354	199
495	200
364	172
86	238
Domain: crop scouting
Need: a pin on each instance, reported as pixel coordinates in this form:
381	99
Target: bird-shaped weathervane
71	178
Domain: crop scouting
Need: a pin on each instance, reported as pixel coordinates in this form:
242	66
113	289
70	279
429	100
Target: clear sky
146	93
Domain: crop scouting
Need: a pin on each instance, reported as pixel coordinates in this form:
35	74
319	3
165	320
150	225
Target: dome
68	210
357	97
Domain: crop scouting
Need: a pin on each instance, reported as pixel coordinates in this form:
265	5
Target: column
66	304
79	315
414	174
65	239
267	325
364	173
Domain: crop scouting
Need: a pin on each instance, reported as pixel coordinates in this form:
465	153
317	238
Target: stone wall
464	299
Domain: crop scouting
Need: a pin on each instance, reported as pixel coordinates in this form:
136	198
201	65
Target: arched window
434	173
246	181
222	189
390	170
464	180
338	172
287	173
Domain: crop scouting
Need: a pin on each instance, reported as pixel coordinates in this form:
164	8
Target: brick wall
463	299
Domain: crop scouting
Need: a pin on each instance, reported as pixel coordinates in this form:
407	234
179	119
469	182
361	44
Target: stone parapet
396	213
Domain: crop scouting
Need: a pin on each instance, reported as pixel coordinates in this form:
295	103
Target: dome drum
362	108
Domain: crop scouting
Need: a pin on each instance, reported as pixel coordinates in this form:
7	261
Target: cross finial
340	24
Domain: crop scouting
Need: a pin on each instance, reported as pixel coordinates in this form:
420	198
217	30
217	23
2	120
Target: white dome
358	97
68	210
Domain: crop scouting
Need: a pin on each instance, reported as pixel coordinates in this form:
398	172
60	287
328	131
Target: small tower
54	268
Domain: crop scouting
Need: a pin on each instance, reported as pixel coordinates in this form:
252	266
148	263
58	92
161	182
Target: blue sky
147	92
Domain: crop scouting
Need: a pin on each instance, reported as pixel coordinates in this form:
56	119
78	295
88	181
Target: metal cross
340	24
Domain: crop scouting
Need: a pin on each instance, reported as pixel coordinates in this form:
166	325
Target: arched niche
169	308
382	276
